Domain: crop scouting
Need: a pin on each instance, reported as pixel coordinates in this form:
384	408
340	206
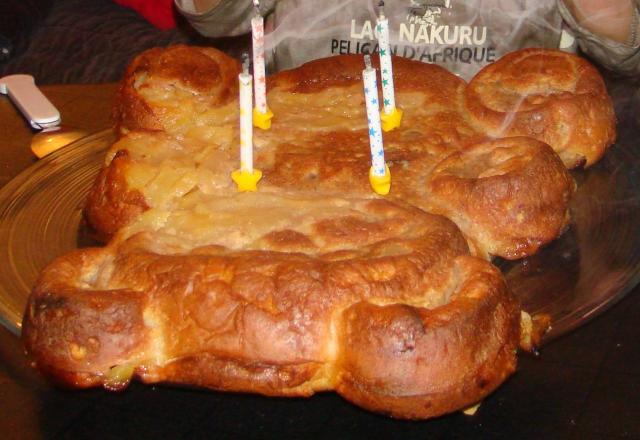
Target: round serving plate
595	263
41	218
597	260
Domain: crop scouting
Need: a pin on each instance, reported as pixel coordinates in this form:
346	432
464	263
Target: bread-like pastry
379	302
553	96
112	202
504	193
314	282
170	88
320	145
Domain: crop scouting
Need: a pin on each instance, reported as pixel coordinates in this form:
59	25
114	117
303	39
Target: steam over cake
314	282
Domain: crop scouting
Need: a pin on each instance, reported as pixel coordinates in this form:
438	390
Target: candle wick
245	63
381	9
256	5
367	61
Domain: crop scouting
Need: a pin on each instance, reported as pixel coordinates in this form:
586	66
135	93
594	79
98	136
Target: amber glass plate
577	277
41	218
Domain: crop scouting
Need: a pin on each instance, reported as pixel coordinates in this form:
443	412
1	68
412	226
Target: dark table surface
584	385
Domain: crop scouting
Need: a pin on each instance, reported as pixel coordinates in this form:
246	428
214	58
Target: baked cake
314	282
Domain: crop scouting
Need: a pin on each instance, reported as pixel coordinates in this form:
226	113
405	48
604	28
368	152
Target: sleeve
221	18
620	57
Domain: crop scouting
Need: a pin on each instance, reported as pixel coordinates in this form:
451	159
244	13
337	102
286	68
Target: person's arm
607	30
220	18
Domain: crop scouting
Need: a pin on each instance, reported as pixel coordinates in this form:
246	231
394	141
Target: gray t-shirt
461	35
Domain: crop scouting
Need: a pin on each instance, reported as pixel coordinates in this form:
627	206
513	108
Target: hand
606	18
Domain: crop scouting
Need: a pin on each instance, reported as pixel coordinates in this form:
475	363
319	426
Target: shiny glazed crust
319	144
313	283
178	70
111	203
385	307
505	194
553	96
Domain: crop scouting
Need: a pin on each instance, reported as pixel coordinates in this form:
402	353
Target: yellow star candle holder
391	120
262	120
381	184
247	181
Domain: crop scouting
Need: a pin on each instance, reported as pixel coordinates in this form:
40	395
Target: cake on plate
315	282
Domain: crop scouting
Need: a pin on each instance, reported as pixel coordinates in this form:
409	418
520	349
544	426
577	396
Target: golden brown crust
553	96
175	72
510	196
313	283
75	329
346	70
415	363
315	146
111	203
203	318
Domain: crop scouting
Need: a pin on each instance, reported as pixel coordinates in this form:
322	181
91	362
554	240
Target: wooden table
585	385
86	107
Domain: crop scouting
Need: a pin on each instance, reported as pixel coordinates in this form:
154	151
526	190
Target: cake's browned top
552	96
318	144
284	275
313	282
178	81
377	301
